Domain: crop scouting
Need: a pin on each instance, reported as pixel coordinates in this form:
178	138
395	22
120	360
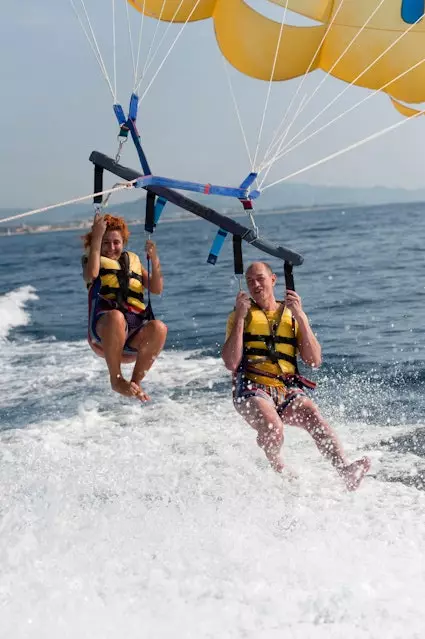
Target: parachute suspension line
269	164
352	108
238	113
114	47
93	43
139	44
151	57
269	88
287	149
328	74
134	59
130	39
351	147
158	21
195	6
277	133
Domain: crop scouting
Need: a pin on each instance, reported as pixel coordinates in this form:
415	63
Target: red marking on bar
247	205
207	189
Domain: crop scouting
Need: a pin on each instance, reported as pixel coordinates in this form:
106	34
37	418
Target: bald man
263	338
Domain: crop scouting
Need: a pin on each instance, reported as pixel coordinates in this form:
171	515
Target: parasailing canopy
375	44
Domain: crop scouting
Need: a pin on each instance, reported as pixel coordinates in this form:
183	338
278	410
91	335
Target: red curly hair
113	223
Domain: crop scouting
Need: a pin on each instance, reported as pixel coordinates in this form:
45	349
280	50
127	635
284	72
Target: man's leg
149	341
261	414
304	413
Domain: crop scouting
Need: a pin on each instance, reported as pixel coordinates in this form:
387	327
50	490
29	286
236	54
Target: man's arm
233	348
309	347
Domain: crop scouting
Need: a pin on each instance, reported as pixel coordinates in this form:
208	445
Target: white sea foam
164	521
12	309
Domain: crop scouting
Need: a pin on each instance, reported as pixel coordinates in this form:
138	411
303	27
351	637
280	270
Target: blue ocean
164	520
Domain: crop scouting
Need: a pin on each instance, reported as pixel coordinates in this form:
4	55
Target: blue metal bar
119	114
159	207
248	180
196	187
217	245
134	105
136	139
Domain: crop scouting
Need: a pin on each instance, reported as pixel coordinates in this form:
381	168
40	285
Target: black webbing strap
237	254
289	277
98	184
272	355
150	212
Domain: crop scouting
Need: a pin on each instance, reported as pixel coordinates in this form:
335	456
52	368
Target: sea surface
164	521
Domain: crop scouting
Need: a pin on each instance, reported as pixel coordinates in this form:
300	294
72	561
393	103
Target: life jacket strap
251	337
270	355
300	380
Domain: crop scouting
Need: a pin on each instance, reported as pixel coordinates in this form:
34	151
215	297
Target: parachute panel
365	51
319	10
408	112
171	11
242	33
358	13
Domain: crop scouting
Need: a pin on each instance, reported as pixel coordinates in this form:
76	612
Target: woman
121	326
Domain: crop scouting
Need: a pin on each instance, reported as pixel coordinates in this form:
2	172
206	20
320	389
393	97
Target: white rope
139	44
150	58
74	201
195	6
338	117
238	114
114	47
158	22
356	35
266	105
374	136
287	148
93	44
130	38
277	133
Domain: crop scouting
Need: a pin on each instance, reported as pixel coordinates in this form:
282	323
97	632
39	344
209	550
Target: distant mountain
288	195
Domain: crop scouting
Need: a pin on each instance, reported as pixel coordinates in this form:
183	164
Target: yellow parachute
377	44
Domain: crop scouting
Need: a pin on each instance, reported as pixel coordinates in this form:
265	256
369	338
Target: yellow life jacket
270	348
121	280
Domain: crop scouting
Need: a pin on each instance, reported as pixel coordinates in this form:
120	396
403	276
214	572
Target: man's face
260	282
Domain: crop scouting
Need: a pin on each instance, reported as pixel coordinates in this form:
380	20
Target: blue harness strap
159	207
217	245
221	234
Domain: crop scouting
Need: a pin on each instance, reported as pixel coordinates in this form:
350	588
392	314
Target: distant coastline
177	216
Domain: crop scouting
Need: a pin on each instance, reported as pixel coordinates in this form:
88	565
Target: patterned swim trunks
280	396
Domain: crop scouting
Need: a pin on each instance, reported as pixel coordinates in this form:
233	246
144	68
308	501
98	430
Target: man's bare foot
128	389
278	465
354	473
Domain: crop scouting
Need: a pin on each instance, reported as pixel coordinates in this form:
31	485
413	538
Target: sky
56	108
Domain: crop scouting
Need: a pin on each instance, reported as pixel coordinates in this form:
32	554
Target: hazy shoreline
84	225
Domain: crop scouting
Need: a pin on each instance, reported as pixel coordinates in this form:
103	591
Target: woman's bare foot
354	473
128	389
